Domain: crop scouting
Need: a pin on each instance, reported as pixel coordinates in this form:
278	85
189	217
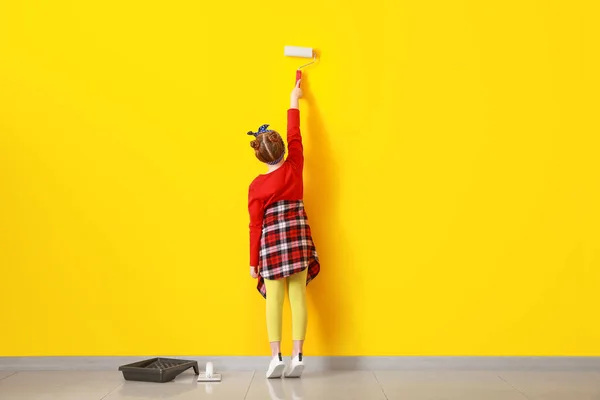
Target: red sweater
285	183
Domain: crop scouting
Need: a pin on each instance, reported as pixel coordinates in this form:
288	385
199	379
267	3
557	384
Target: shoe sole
296	372
277	372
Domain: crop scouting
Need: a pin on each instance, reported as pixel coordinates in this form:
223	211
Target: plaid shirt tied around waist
286	245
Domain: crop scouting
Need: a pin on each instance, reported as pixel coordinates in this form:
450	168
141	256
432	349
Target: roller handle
298	76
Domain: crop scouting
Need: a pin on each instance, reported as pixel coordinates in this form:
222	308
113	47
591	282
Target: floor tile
442	385
5	374
555	385
350	385
233	387
63	385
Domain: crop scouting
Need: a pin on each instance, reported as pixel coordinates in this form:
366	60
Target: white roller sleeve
293	51
209	369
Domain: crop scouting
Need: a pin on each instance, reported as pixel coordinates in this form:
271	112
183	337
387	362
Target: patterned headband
262	129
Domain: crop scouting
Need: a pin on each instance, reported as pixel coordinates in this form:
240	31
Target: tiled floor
4	374
357	385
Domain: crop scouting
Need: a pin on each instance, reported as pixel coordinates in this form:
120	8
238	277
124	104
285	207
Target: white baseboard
318	363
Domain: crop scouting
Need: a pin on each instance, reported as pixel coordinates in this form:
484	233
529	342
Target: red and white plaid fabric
286	245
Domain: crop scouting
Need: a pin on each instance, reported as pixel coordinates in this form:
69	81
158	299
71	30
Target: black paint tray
157	369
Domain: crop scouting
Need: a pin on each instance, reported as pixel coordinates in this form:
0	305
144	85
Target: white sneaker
276	368
296	367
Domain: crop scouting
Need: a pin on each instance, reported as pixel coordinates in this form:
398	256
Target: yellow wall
452	174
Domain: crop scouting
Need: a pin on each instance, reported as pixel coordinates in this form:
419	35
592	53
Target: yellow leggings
296	285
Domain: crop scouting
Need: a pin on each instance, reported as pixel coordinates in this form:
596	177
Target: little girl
282	252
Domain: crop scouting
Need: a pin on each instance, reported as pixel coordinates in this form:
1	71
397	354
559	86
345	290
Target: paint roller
303	52
209	375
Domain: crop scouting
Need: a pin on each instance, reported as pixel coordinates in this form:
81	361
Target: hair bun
255	144
273	137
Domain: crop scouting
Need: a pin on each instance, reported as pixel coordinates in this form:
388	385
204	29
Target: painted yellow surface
452	175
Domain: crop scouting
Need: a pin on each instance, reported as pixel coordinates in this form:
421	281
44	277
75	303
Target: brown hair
268	147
